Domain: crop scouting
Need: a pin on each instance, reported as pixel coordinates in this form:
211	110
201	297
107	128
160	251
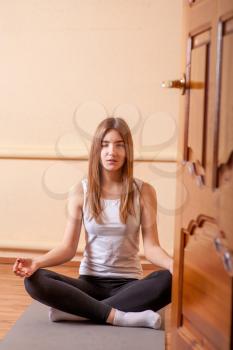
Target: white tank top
112	247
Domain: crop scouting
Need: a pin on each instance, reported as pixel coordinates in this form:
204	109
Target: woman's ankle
111	316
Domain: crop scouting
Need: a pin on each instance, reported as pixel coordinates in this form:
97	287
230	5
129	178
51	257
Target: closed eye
118	144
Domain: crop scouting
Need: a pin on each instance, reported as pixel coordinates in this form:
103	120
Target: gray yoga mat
34	331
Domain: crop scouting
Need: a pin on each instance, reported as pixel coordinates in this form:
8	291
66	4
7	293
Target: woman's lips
111	161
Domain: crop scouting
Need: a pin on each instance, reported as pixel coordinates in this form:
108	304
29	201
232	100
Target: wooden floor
14	299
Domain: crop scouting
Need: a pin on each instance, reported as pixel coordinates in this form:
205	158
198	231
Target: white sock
147	318
58	315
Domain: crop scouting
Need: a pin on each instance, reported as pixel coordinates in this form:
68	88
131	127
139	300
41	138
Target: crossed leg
88	300
151	292
70	295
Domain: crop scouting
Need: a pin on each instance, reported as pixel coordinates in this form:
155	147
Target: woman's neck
111	184
111	179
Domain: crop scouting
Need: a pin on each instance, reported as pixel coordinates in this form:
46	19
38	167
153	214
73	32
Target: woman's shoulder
146	189
138	182
76	193
83	184
143	184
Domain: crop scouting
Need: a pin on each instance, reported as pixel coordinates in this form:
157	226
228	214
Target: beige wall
64	66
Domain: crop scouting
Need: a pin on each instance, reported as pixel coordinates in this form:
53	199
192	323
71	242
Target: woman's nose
111	149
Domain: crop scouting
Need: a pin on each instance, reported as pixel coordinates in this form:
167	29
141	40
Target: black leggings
93	297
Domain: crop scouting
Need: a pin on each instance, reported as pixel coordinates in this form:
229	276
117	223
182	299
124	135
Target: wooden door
203	266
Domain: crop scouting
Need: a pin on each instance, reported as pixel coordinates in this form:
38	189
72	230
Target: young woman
112	205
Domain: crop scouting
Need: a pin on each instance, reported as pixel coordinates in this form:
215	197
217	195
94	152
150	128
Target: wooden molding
19	152
8	256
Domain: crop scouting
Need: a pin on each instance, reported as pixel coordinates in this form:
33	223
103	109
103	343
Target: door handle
176	84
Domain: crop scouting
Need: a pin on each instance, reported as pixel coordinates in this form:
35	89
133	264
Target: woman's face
113	155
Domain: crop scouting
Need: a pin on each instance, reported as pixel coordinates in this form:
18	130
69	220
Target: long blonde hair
94	170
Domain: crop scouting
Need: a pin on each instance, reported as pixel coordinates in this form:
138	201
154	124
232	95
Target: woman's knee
165	282
164	275
164	279
167	278
34	282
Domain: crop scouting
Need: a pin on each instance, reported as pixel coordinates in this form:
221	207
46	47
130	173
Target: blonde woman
112	205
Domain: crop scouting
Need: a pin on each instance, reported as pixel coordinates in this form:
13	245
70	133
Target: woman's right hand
24	267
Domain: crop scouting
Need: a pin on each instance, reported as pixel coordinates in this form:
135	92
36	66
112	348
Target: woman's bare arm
66	250
25	267
152	249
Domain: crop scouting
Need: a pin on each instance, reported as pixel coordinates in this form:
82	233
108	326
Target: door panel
203	303
224	121
199	65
